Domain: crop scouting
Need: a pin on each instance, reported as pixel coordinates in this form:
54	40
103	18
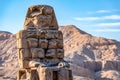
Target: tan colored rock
52	44
58	35
34	74
43	43
22	43
53	34
55	43
22	74
25	54
45	73
41	34
59	43
51	53
60	53
34	63
21	34
37	14
32	42
24	63
51	62
37	52
26	34
64	74
50	34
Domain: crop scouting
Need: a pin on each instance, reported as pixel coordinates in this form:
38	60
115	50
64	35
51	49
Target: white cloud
107	24
100	11
87	18
107	30
103	11
110	17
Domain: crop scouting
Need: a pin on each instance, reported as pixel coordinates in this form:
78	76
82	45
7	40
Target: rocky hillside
8	55
91	58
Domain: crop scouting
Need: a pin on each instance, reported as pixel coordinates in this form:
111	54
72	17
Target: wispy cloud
103	11
87	18
107	30
99	11
110	17
107	24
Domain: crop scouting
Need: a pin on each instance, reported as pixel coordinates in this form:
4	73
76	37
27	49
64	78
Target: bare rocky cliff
91	58
8	55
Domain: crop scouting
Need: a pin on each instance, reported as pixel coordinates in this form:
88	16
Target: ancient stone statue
40	47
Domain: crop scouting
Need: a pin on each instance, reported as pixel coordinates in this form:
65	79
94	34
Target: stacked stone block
40	47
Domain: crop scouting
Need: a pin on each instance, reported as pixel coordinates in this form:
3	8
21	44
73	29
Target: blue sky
98	17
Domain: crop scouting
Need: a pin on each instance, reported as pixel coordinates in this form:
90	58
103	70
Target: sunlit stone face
40	17
42	20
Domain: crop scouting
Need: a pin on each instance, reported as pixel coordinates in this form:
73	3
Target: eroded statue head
40	17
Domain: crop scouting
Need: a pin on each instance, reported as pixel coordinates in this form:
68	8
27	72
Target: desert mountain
90	57
4	35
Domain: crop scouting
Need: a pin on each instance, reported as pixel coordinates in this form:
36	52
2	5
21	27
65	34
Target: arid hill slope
91	58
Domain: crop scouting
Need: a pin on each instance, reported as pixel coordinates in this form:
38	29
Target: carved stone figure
40	47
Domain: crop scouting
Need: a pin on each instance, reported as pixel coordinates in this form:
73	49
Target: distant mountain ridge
90	57
4	35
5	32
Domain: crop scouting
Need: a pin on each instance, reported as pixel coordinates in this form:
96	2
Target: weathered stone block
59	43
53	34
51	53
50	34
42	21
58	35
45	73
22	43
52	43
22	74
53	27
34	63
60	53
41	34
25	54
21	34
32	33
37	52
43	43
55	43
24	63
51	62
34	74
32	42
26	34
64	74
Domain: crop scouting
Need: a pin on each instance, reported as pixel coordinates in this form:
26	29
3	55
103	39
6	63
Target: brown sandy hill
90	55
